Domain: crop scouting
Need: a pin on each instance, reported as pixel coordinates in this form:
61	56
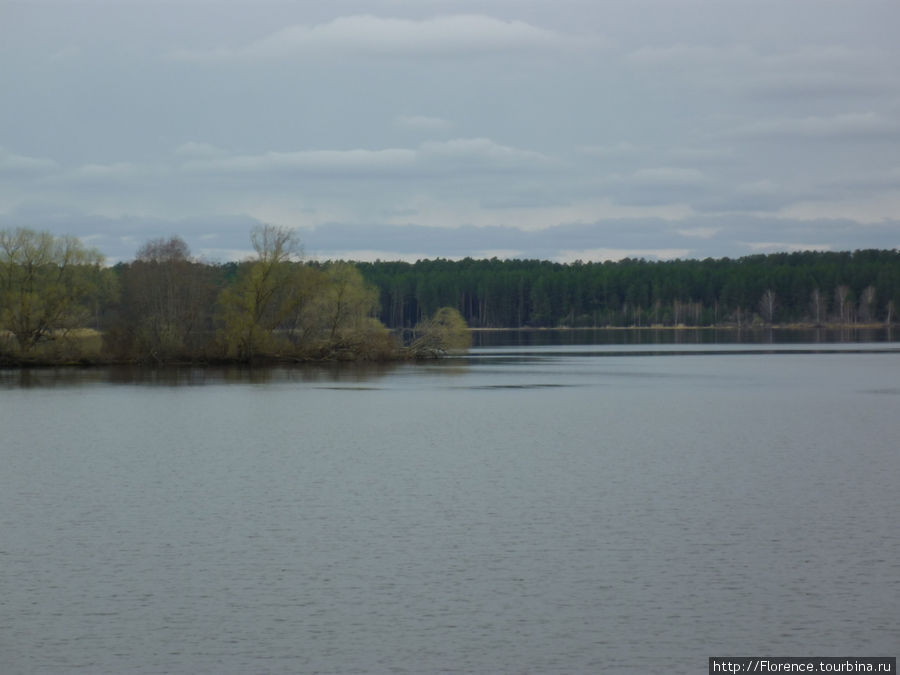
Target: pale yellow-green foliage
281	307
369	340
289	309
447	331
347	301
250	312
47	284
262	301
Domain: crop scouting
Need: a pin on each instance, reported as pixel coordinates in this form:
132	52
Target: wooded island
60	304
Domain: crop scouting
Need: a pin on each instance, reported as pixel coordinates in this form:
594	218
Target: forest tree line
167	306
811	287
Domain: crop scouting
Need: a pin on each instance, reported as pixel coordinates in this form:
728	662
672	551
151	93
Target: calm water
534	509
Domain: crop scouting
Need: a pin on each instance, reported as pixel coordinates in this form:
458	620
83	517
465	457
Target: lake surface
527	509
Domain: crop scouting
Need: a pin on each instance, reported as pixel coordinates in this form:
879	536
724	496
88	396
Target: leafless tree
867	304
767	305
818	304
841	297
167	300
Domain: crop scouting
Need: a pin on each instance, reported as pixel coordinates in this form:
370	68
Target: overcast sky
555	129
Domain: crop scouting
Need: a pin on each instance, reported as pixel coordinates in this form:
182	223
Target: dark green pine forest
781	288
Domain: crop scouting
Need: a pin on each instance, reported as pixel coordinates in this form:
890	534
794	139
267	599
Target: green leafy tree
447	331
302	323
47	284
263	299
337	316
346	302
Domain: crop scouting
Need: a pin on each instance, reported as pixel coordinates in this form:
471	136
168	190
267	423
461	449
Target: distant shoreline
729	327
88	357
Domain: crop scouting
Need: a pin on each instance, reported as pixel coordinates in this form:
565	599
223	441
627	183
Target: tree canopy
47	284
167	306
807	287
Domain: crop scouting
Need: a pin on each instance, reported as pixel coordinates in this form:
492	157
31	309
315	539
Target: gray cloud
845	126
340	162
754	197
703	236
222	238
792	71
455	127
423	123
470	154
12	164
658	185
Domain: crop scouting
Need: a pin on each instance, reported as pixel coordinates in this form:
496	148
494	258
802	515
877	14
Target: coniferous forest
781	288
60	303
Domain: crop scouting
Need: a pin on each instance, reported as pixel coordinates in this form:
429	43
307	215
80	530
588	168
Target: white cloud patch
462	34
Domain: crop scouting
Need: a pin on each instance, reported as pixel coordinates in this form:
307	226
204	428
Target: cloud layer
565	131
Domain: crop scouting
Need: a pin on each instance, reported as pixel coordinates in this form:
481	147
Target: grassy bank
80	346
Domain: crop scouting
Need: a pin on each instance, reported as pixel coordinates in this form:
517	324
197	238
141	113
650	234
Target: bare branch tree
767	304
818	303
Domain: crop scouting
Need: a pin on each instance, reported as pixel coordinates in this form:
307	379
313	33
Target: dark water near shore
531	508
685	336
